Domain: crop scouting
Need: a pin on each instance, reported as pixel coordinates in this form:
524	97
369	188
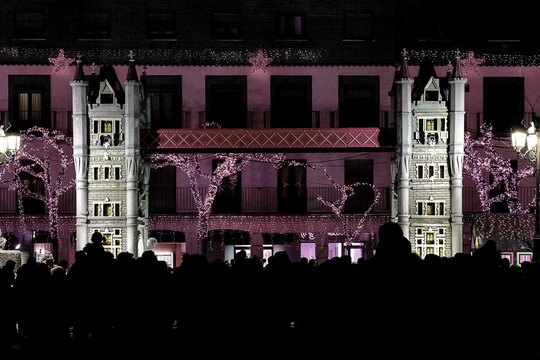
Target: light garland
233	163
479	166
171	56
34	159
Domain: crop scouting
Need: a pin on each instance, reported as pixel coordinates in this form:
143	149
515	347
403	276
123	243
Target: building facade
315	82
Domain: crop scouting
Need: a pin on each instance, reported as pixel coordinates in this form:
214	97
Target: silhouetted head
97	237
390	230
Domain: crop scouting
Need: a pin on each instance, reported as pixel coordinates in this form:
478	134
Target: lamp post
9	144
527	147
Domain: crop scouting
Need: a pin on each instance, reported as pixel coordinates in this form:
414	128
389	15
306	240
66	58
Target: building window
95	25
226	101
117	173
29	101
226	25
162	188
292	189
441	209
161	25
229	196
359	101
441	171
359	171
290	101
420	172
420	208
164	101
106	127
358	26
430	208
504	102
431	124
29	24
96	173
290	26
431	171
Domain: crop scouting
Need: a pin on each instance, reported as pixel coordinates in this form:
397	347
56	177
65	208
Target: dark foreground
391	307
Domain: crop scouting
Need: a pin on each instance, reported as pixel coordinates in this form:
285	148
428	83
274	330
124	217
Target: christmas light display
33	163
490	172
172	56
259	61
229	165
470	63
61	62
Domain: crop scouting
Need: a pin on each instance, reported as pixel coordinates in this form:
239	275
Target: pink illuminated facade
290	89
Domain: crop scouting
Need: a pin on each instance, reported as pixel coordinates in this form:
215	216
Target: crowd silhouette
395	304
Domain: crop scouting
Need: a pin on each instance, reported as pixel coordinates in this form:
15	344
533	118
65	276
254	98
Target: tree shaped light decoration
61	62
230	164
41	158
338	206
490	171
259	61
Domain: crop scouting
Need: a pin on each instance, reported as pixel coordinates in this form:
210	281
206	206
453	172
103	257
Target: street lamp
9	144
526	147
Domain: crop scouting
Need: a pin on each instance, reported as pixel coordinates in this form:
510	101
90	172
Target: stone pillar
132	157
80	153
456	127
403	120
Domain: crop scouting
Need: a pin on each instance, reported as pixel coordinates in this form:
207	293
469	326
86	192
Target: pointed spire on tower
404	72
458	72
132	71
79	72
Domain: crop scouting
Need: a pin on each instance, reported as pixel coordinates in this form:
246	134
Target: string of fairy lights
32	163
258	57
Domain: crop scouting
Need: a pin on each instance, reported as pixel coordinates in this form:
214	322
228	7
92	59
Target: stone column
456	120
132	157
404	150
80	154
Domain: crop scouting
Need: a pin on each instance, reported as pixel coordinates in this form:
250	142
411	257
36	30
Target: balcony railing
258	200
57	119
299	138
265	199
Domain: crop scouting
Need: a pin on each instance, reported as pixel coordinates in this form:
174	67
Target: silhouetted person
392	245
8	331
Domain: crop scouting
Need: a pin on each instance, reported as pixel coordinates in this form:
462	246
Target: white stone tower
111	178
429	160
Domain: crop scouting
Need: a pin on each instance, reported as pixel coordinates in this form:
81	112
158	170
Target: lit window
430	239
106	127
107	210
431	124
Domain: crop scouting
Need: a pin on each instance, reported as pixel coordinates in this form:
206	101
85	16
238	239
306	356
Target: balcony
57	119
290	138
